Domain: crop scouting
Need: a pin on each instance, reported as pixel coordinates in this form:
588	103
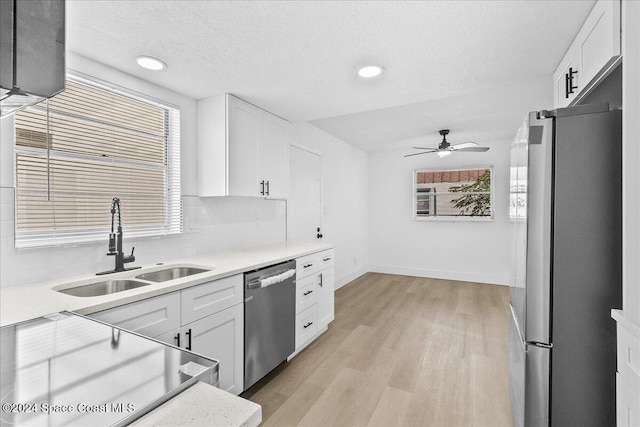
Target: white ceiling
475	67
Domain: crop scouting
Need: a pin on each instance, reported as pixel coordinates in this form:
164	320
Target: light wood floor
402	351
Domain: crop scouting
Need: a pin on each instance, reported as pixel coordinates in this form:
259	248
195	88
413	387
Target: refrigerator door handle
539	344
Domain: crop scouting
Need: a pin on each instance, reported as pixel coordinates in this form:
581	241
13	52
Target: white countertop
629	320
203	405
24	302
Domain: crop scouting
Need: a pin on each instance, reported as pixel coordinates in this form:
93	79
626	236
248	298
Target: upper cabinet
593	54
242	150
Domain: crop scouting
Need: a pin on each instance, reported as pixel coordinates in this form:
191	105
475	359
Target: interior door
304	205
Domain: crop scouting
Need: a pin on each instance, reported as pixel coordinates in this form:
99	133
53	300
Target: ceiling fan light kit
445	148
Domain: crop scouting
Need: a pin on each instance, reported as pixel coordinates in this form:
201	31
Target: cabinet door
273	161
221	337
150	317
325	297
627	404
242	146
599	38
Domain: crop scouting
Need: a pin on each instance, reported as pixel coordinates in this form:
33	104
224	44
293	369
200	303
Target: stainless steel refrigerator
566	269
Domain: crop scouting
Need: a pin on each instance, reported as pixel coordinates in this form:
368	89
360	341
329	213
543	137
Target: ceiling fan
444	149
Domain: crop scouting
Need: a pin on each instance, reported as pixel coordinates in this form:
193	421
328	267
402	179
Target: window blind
91	143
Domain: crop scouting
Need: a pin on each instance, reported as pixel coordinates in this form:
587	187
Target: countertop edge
201	404
628	320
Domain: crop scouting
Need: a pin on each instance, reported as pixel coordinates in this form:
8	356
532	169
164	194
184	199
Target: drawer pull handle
307	325
326	259
177	338
308	265
320	275
189	336
307	293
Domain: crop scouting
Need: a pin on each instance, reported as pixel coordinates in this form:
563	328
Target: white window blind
93	143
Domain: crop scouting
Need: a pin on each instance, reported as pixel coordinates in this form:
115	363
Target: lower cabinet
627	404
221	336
207	319
314	296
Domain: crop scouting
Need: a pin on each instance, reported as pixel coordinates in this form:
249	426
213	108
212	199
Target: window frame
454	218
172	186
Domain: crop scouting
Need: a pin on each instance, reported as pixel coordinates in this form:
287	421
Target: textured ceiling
466	64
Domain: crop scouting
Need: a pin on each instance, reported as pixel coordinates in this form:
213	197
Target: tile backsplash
209	224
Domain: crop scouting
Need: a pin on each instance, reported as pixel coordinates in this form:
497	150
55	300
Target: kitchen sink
103	288
170	274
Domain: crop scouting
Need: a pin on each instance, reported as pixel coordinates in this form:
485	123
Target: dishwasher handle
272	280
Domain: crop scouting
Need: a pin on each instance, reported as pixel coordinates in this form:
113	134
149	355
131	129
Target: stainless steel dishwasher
269	319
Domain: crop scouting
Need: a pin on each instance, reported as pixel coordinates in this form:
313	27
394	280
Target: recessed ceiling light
150	63
370	71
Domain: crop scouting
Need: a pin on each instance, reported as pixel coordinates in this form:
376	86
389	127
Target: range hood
32	48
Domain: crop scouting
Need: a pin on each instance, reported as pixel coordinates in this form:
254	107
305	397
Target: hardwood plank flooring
402	351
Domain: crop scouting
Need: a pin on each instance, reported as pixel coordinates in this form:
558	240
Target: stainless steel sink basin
103	288
170	274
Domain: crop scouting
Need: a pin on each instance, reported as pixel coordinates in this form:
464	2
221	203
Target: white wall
344	197
457	250
210	224
631	154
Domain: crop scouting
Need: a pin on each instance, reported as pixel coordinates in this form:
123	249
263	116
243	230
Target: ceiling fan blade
425	148
417	154
476	149
464	145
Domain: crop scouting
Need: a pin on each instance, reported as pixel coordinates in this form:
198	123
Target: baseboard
441	274
350	277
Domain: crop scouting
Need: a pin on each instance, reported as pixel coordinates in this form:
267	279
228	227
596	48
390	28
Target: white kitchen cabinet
627	404
592	55
150	317
206	318
628	367
220	336
242	149
314	296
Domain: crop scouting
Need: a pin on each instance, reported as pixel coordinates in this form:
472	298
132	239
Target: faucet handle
130	258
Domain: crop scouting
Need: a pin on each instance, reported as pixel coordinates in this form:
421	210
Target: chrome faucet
115	242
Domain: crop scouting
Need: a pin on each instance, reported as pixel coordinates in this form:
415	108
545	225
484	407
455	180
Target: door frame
288	213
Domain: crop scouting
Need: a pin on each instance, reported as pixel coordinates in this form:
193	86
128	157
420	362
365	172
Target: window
453	194
86	145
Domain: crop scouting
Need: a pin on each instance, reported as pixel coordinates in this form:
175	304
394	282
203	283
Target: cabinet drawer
325	259
306	292
306	325
209	298
150	317
629	358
